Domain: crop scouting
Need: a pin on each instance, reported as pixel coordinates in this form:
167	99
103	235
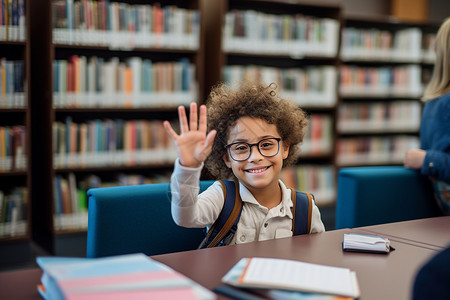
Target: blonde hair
439	84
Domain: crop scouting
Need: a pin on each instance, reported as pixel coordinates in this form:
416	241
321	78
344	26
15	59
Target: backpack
224	228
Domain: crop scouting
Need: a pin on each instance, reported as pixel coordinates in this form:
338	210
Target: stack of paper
290	279
365	243
133	276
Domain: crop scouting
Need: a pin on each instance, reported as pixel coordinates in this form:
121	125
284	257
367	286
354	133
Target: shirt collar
286	200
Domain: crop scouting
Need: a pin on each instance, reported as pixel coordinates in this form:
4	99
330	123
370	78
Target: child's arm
189	209
193	144
193	147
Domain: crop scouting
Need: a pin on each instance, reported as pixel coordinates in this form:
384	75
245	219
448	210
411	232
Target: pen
236	293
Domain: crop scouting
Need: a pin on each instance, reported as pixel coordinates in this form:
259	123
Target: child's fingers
170	130
193	116
183	119
203	119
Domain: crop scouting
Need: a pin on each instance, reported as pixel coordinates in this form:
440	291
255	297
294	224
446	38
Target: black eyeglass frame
251	146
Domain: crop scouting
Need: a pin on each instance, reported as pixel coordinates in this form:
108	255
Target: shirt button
431	164
242	238
266	224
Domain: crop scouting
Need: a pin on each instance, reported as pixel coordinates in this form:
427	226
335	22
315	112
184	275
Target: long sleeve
435	138
189	209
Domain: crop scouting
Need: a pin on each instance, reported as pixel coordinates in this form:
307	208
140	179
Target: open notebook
279	278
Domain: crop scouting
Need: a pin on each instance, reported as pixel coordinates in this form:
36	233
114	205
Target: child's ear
285	150
226	159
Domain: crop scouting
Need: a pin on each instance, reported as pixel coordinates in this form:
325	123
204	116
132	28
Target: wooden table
431	233
380	276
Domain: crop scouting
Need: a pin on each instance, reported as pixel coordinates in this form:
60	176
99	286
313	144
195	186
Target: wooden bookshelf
73	101
385	65
210	59
15	130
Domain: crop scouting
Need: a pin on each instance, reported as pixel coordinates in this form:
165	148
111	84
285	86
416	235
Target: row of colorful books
111	142
13	141
119	142
318	139
70	203
366	117
374	150
125	25
381	81
315	179
406	45
12	84
135	82
70	195
293	35
13	212
12	20
428	47
309	86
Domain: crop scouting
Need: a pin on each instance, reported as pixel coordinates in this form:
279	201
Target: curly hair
226	106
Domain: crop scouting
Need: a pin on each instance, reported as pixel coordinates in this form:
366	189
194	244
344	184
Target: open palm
193	144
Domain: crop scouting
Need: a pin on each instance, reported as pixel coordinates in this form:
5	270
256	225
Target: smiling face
257	172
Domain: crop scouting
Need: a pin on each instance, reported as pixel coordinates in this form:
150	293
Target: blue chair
382	194
131	219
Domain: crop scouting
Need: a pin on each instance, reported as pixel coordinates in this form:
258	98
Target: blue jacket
435	138
431	281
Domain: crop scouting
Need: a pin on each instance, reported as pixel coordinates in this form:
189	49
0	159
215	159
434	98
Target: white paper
296	275
366	242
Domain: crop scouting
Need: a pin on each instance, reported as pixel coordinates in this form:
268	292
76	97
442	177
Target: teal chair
382	194
131	219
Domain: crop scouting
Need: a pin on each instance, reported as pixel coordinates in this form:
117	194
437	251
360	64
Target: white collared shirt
257	223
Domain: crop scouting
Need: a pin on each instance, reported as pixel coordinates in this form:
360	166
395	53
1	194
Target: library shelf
210	57
154	166
79	101
12	110
15	128
13	173
375	114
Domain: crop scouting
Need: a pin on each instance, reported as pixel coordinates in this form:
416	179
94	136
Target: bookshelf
294	44
15	163
190	65
385	65
113	72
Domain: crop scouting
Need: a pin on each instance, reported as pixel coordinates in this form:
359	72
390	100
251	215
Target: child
252	135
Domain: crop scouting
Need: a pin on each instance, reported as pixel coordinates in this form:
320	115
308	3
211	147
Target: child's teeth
257	171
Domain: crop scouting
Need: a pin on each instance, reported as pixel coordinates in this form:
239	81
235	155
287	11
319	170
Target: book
366	243
130	276
282	276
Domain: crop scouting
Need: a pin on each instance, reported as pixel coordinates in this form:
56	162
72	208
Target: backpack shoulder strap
228	217
301	212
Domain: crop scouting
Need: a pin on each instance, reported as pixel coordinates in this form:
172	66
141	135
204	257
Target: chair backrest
382	194
131	219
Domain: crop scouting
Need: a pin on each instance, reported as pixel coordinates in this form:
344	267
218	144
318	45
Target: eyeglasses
241	151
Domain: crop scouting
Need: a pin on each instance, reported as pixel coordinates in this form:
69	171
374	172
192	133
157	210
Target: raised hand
193	144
